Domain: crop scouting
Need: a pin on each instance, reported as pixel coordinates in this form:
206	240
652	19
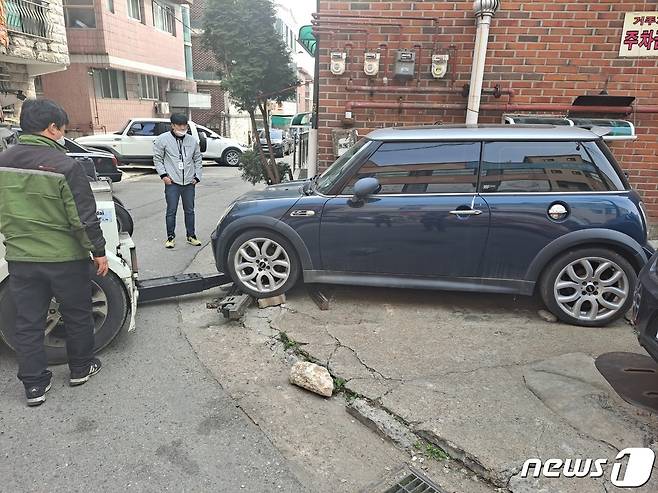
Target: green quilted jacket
47	208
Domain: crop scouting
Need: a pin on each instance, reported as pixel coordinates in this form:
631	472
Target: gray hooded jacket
168	152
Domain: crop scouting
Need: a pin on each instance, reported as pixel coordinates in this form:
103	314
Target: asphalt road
154	419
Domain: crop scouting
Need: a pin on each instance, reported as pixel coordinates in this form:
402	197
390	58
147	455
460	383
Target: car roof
483	132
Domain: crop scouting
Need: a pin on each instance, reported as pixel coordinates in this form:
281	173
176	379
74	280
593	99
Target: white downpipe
484	11
312	163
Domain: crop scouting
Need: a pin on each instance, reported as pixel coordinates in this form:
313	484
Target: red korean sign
640	35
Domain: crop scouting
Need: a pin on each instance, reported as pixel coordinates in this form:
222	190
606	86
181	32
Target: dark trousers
173	194
32	286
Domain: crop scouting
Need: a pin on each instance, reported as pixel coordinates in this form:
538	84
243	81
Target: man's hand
101	266
167	180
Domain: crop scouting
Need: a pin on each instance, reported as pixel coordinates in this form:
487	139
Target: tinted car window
422	167
144	129
607	165
334	173
73	147
539	167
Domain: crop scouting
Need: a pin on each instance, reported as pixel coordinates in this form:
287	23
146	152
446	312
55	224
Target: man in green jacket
48	218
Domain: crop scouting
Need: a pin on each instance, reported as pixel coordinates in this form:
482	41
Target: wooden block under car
274	301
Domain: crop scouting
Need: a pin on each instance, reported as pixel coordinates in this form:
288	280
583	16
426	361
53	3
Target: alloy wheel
591	289
262	265
232	158
55	333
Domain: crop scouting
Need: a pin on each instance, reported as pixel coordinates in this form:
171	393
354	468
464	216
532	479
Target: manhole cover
633	376
414	482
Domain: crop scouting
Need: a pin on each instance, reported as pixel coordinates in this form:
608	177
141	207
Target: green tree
255	64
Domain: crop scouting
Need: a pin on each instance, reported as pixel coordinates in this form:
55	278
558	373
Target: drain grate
414	483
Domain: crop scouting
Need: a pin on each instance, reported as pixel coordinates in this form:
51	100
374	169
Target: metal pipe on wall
484	11
425	90
502	107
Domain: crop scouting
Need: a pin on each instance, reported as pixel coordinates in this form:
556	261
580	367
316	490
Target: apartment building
32	43
129	58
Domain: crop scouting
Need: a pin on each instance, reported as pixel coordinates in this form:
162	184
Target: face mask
179	134
61	141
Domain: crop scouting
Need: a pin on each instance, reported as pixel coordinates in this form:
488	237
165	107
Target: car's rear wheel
231	157
263	263
590	287
109	308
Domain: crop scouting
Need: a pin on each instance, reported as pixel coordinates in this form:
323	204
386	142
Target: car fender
598	236
263	222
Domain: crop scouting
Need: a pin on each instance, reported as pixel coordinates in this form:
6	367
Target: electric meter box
338	60
371	64
405	64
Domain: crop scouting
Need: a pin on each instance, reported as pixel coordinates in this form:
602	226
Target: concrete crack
356	355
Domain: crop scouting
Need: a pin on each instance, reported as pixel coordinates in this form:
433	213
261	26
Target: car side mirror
130	133
364	187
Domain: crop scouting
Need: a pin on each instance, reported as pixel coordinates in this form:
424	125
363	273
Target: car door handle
466	212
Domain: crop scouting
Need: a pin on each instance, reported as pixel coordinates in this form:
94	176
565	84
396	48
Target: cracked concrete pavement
481	376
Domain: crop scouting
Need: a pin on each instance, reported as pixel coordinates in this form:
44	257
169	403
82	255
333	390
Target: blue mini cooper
488	208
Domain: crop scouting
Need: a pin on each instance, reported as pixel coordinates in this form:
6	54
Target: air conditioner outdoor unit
162	108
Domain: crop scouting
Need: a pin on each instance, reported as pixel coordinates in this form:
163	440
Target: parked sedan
645	308
105	163
498	209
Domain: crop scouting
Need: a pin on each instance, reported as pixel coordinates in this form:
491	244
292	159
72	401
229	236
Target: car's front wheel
263	263
589	287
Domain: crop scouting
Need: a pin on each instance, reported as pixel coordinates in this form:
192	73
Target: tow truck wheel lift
233	305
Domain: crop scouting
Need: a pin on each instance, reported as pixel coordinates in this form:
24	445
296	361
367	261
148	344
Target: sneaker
193	241
81	377
36	395
170	242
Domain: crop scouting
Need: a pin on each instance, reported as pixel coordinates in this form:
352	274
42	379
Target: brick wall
548	52
77	103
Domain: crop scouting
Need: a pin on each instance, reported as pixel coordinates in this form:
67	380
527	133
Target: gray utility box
405	64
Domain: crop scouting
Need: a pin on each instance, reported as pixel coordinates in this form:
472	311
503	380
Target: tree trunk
263	160
266	128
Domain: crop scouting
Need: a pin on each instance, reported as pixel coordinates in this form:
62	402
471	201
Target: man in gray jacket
177	159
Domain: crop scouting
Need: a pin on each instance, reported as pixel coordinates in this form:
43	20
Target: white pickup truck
134	143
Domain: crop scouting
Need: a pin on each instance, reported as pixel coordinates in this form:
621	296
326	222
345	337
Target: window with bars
135	9
79	14
163	17
110	84
148	87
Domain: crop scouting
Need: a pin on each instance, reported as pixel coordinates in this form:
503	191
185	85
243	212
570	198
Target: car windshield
274	134
123	128
328	179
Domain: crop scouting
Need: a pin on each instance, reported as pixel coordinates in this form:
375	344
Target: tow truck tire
124	219
110	307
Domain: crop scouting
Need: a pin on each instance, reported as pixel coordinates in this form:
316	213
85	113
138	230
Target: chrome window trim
607	192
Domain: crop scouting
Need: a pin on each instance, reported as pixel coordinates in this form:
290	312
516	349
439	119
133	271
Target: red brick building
127	58
545	52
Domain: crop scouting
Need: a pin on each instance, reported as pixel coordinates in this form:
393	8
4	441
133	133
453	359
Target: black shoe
36	395
81	377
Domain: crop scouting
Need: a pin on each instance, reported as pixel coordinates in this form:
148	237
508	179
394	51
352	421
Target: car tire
231	157
124	219
590	287
111	309
275	256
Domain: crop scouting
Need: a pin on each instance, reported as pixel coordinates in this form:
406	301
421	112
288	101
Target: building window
79	14
38	85
148	87
110	84
135	9
27	17
163	17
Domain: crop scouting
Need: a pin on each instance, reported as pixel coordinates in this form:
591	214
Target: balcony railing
28	17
